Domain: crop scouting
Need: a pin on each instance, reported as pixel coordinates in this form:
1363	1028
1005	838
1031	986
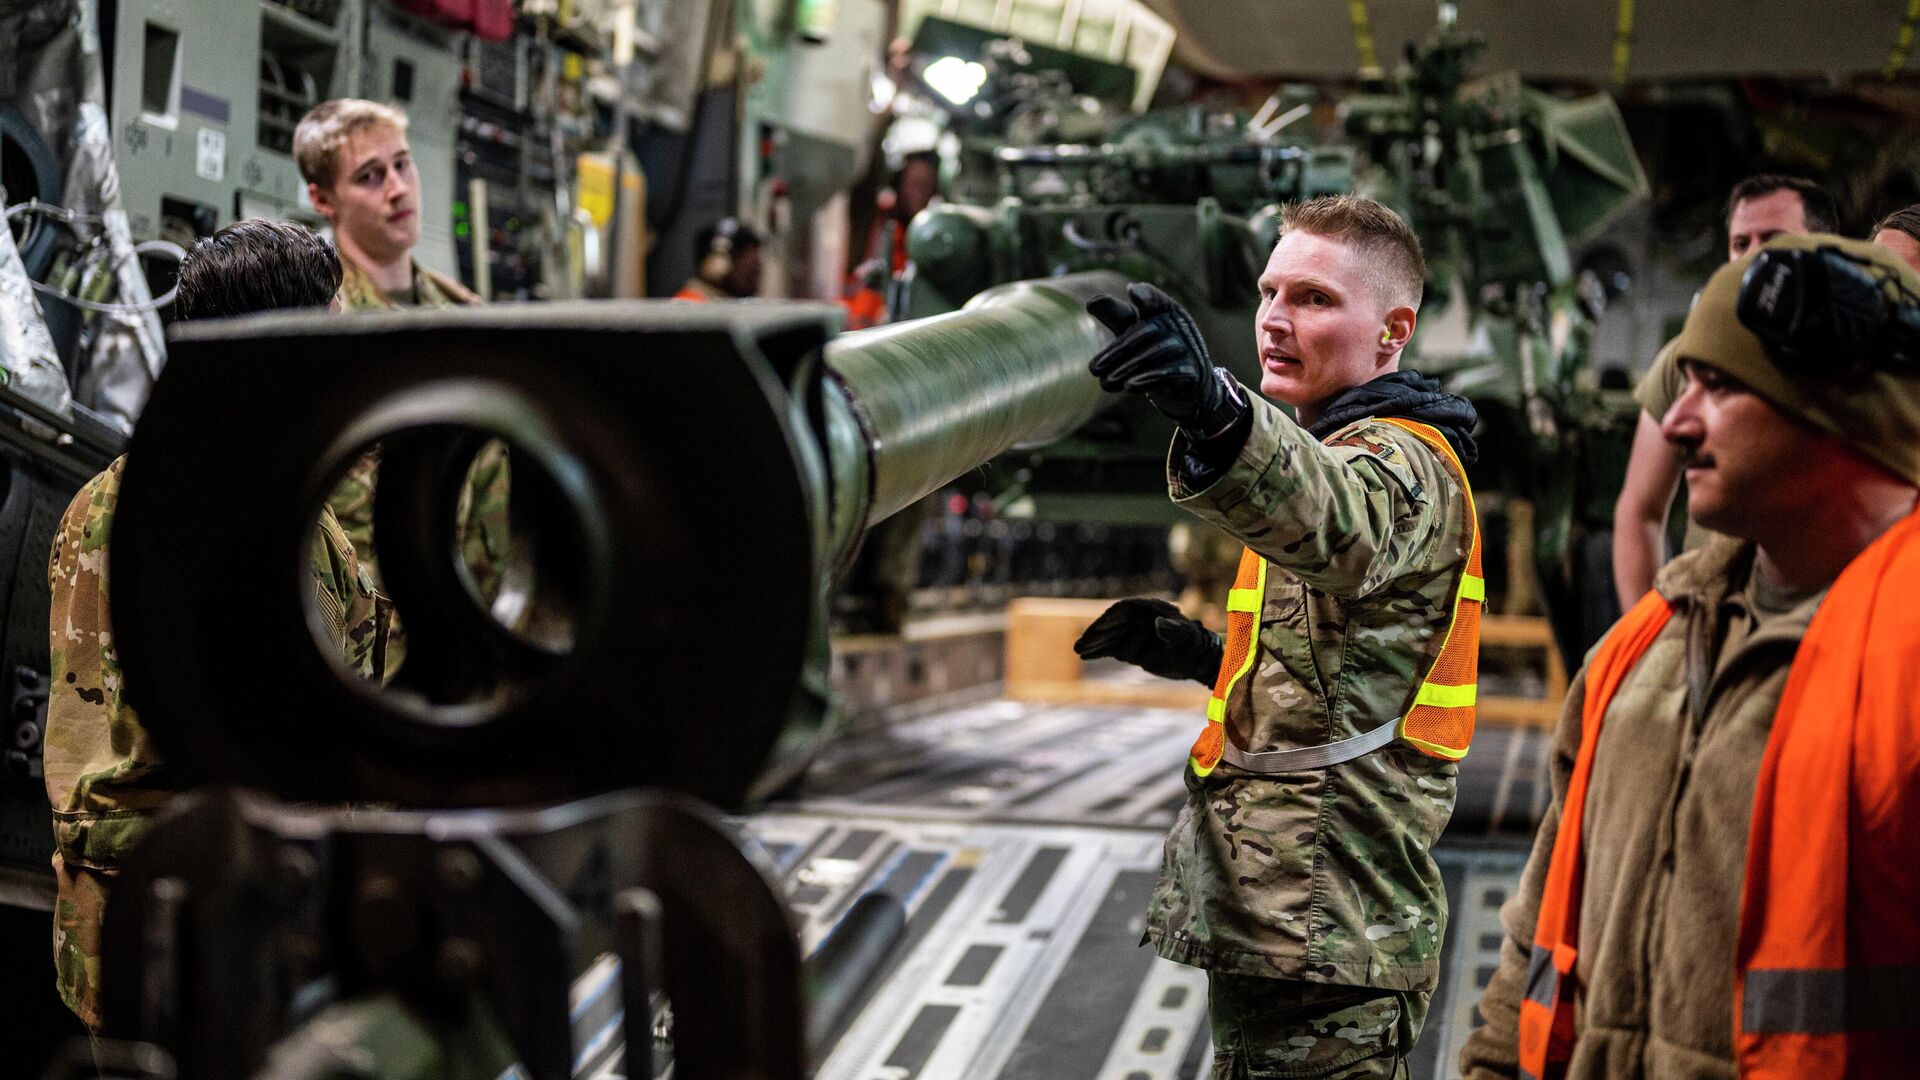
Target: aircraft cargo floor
1023	841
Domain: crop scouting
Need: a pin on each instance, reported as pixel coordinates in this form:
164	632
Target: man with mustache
1723	882
1299	873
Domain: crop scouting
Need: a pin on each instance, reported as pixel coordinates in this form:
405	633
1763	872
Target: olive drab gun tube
686	483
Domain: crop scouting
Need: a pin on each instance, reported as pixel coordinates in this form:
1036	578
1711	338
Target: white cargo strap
1311	757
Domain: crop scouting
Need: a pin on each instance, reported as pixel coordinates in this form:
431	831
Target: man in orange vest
1299	872
1723	884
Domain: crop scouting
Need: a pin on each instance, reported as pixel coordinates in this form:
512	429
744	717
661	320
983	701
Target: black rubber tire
22	146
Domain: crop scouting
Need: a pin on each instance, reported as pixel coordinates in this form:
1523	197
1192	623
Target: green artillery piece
530	799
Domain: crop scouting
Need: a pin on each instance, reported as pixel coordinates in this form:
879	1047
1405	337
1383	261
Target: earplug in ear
1386	337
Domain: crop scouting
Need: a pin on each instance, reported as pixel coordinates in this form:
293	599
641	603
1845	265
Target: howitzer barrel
935	397
678	472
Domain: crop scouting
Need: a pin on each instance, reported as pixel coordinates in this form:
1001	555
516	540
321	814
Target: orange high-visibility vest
1827	964
1546	1012
1438	722
1827	969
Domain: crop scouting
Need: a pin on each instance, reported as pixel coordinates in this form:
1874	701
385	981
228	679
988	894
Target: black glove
1152	634
1157	351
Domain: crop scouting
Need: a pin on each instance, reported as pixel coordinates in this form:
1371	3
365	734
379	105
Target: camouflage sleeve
1345	517
1493	1049
482	517
355	613
352	505
105	780
102	770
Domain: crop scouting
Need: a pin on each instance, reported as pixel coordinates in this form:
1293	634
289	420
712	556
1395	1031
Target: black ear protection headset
1826	314
717	261
726	239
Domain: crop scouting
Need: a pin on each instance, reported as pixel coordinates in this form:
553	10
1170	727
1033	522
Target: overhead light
955	79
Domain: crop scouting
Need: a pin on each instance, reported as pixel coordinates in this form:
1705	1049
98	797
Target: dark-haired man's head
257	265
915	185
1762	207
1899	232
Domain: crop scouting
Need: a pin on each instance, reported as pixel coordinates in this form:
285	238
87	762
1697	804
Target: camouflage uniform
104	778
483	503
431	289
1323	877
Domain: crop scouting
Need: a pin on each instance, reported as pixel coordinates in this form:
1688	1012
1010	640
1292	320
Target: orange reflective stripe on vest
1439	722
1546	1012
1827	965
1243	627
1827	969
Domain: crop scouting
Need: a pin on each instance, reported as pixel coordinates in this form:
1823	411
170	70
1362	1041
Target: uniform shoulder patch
1370	436
1379	442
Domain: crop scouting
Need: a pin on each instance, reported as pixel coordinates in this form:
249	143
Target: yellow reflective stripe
1446	697
1451	753
1247	601
1473	588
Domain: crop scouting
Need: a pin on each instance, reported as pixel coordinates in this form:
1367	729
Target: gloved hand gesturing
1152	634
1157	350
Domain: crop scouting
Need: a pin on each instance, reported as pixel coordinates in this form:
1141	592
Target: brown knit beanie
1879	413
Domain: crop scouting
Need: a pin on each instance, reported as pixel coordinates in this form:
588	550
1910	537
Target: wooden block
1532	633
1518	631
1158	694
1518	712
1040	636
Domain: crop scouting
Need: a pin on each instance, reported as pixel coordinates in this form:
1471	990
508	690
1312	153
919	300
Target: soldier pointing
1299	873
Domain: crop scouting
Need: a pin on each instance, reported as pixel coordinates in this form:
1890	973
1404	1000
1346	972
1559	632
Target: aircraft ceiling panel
1572	39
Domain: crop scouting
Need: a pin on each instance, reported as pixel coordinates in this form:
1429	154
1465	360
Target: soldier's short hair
1396	269
1822	210
256	265
327	127
1906	220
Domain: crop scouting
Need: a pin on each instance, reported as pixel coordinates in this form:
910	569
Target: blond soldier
360	175
1299	873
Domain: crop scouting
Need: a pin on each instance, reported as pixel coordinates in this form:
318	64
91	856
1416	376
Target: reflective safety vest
1827	968
1546	1012
1827	962
1438	723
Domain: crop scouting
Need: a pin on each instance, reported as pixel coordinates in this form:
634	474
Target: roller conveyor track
1024	841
